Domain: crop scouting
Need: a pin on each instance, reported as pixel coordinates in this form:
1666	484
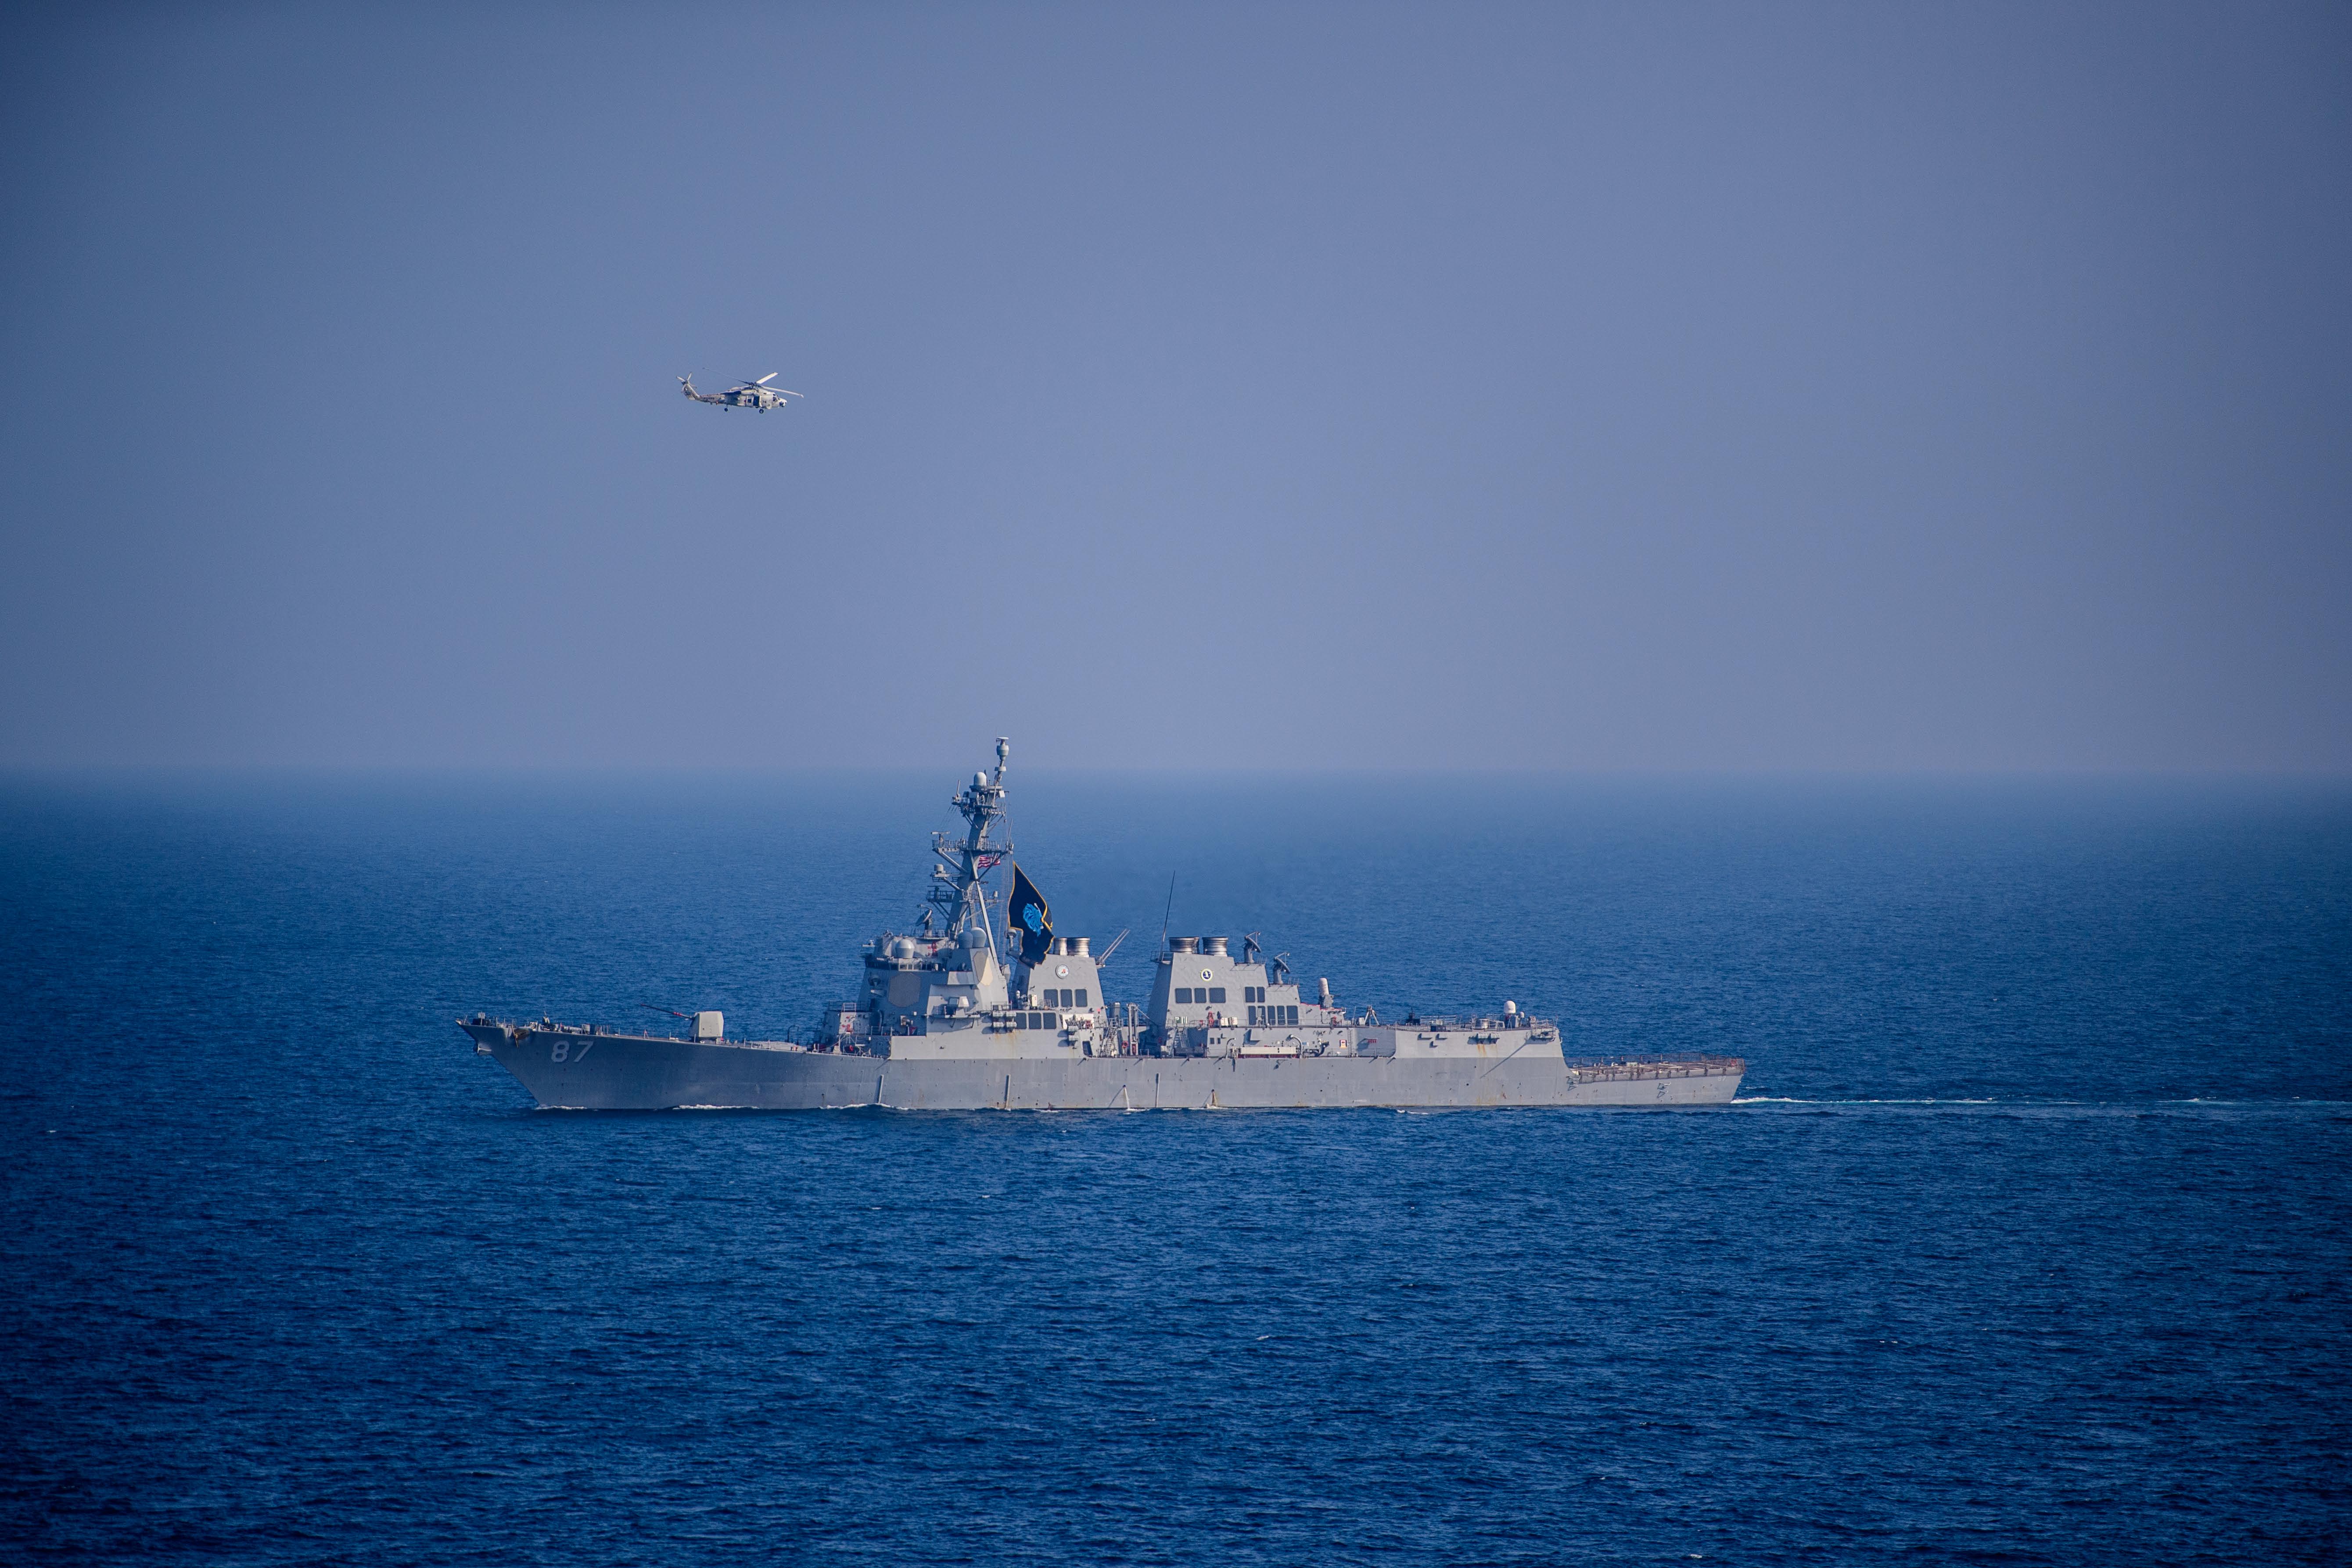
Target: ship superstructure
964	1014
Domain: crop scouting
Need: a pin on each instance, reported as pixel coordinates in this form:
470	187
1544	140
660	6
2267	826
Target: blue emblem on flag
1033	917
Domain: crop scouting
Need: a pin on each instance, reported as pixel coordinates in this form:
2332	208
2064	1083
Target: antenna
1104	957
1166	914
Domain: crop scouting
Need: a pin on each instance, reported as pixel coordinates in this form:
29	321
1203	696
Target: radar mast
959	898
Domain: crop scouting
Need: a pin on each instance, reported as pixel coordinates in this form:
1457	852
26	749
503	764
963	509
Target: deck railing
1676	1064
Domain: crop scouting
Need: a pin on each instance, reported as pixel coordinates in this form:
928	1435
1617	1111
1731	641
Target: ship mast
959	897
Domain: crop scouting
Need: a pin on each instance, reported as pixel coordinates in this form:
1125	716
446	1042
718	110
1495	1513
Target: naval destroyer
984	1007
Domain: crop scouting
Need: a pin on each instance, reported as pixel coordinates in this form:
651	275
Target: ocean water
2030	1241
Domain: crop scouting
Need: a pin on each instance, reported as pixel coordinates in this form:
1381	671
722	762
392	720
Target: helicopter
756	394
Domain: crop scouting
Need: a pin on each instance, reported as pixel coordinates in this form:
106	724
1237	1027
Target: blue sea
2029	1240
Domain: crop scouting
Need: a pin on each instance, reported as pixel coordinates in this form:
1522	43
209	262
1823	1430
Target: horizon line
58	772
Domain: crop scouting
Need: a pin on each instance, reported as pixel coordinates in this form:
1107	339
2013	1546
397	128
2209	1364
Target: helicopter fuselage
750	395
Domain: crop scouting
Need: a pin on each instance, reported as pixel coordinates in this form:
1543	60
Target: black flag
1032	922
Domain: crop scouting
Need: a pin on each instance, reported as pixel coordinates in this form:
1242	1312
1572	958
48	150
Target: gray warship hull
577	1069
986	1007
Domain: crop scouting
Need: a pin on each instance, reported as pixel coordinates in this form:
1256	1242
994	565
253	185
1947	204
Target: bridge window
1183	996
1082	998
1217	993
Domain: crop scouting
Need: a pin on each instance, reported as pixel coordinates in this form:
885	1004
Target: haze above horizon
1302	388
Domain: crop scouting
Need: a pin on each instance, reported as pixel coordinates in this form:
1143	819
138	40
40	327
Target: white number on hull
562	1049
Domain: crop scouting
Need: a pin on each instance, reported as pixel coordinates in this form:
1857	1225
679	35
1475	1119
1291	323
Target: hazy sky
1607	387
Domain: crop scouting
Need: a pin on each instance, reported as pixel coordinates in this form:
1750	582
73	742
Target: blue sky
1599	387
